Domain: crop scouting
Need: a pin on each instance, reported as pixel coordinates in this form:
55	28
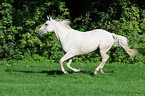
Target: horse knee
105	58
68	64
60	61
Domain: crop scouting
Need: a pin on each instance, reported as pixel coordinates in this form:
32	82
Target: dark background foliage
20	20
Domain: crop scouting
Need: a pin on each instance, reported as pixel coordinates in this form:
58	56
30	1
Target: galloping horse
76	43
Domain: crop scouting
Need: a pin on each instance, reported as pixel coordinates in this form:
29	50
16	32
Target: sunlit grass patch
20	78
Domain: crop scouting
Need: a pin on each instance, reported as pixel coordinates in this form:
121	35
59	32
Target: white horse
76	43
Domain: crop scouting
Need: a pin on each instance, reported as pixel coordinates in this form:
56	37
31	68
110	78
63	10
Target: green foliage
8	31
21	20
130	26
19	26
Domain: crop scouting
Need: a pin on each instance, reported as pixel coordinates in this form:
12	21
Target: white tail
121	40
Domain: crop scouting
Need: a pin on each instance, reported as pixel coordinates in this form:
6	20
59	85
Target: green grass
42	78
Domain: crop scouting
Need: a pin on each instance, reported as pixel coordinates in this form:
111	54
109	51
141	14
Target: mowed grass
42	78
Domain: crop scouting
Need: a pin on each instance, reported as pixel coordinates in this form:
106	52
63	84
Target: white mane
65	23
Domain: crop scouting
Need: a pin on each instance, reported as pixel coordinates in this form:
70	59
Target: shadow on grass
58	72
51	72
55	72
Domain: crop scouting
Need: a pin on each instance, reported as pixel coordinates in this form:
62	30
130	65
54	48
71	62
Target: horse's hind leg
103	51
104	47
104	59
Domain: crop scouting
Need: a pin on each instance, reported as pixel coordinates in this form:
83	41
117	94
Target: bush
19	24
21	20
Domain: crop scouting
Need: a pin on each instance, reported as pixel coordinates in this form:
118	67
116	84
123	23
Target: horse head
47	26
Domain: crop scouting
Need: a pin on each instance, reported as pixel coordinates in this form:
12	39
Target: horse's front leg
75	70
65	57
62	68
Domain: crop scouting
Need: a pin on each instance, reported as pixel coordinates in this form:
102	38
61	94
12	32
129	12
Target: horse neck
61	32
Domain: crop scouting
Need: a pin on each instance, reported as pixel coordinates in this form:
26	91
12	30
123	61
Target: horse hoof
95	75
102	73
66	73
80	69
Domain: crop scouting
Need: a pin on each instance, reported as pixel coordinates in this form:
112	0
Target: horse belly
86	47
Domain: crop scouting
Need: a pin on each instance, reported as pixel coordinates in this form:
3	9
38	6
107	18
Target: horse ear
49	18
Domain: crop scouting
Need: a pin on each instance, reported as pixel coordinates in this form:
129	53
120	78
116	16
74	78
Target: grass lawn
42	78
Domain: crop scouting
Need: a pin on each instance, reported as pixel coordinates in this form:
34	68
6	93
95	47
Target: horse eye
46	24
